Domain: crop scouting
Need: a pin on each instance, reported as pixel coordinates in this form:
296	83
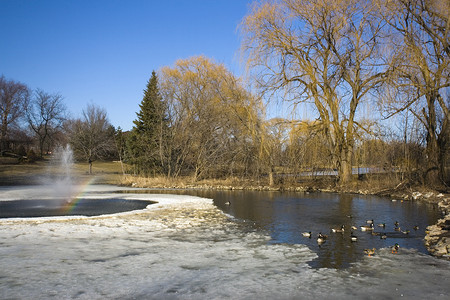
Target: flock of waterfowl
368	227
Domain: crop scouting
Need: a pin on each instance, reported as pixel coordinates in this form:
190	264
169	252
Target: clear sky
103	51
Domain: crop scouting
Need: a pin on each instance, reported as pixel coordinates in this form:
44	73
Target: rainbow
71	203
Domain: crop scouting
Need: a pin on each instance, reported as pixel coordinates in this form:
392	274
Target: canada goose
353	238
367	227
335	230
321	238
307	234
370	252
395	248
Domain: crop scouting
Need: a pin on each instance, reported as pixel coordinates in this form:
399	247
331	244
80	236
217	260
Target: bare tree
45	114
422	67
13	95
92	136
325	52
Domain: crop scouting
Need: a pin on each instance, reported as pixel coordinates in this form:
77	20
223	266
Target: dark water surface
60	207
285	215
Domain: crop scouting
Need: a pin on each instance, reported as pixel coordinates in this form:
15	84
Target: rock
440	250
416	195
429	195
437	239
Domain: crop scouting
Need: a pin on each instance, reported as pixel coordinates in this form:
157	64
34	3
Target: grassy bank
374	185
14	173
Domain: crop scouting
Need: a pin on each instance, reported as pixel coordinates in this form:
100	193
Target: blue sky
103	51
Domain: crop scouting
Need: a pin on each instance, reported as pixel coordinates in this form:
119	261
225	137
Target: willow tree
421	62
211	117
324	52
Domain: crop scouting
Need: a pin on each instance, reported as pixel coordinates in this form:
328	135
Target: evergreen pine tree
144	144
149	115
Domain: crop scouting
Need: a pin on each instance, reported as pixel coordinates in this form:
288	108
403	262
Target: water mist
62	185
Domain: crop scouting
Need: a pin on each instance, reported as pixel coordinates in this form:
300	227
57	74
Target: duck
353	237
405	231
395	248
369	221
382	225
335	230
370	252
354	227
396	224
397	229
416	227
383	236
307	234
367	227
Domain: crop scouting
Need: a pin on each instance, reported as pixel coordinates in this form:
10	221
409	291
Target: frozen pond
188	247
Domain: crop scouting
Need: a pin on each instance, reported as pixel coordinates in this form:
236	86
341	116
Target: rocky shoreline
437	237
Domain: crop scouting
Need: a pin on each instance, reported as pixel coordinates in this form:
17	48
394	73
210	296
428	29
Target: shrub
31	156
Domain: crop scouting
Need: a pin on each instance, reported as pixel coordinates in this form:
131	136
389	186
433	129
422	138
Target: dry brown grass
178	182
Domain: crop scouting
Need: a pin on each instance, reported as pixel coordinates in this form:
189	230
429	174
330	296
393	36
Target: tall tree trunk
90	162
3	143
432	175
345	167
90	166
443	143
271	182
41	147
